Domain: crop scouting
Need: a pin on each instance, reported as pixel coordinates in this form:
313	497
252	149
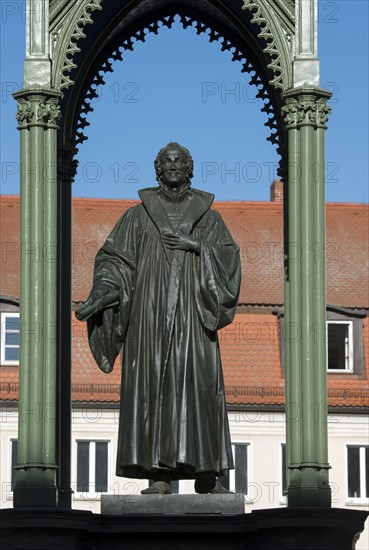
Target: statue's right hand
91	306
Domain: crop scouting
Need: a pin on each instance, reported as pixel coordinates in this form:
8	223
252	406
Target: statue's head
174	166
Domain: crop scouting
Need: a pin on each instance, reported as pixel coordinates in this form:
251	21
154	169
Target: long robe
171	303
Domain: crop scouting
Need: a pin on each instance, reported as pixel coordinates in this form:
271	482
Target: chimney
276	191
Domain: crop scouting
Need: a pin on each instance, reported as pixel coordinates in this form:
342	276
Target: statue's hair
189	162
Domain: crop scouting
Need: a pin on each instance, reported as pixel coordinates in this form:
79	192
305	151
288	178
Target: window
237	480
358	472
339	346
9	339
92	466
344	339
14	450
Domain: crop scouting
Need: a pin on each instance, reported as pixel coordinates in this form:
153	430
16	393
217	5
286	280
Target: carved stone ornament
306	110
48	112
38	108
24	113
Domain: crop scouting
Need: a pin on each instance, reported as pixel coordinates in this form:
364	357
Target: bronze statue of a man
166	279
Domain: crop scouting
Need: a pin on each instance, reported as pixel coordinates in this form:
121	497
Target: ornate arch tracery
104	64
264	54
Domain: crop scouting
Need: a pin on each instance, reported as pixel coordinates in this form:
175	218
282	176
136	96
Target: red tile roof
250	347
256	226
253	374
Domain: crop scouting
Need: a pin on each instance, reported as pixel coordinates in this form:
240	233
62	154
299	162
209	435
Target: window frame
232	473
91	495
282	494
12	472
350	359
345	315
3	346
362	500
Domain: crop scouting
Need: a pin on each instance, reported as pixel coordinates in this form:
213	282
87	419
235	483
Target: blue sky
161	93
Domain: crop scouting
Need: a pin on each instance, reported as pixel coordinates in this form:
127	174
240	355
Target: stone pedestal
274	529
230	503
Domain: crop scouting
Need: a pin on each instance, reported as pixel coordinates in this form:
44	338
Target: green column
38	115
66	171
292	301
306	402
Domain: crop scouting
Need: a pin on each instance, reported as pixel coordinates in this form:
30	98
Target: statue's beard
175	184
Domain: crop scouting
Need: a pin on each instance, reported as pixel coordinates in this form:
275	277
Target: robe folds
171	303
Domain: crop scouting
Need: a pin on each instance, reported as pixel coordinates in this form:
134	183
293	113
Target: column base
35	487
309	487
31	496
309	496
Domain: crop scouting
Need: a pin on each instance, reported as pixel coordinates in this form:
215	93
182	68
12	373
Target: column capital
306	107
38	107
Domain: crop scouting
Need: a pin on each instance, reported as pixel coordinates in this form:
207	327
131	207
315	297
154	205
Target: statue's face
173	165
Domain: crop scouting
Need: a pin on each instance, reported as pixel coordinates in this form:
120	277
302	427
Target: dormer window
340	346
343	339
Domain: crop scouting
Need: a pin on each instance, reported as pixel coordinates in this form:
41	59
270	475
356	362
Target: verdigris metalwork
306	67
306	115
276	28
38	116
261	42
104	64
67	27
68	21
66	168
174	268
69	47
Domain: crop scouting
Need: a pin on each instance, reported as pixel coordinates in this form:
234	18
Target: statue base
282	529
227	503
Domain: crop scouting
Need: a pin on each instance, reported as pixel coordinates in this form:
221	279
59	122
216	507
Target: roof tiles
257	227
251	346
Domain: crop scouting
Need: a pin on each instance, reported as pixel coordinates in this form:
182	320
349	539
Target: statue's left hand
180	241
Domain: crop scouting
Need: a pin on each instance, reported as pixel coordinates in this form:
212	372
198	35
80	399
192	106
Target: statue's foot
219	489
206	484
158	488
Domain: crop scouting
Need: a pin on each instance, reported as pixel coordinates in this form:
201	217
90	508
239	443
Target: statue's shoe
207	485
219	489
158	488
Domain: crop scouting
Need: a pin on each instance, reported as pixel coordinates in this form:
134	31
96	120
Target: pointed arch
258	36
